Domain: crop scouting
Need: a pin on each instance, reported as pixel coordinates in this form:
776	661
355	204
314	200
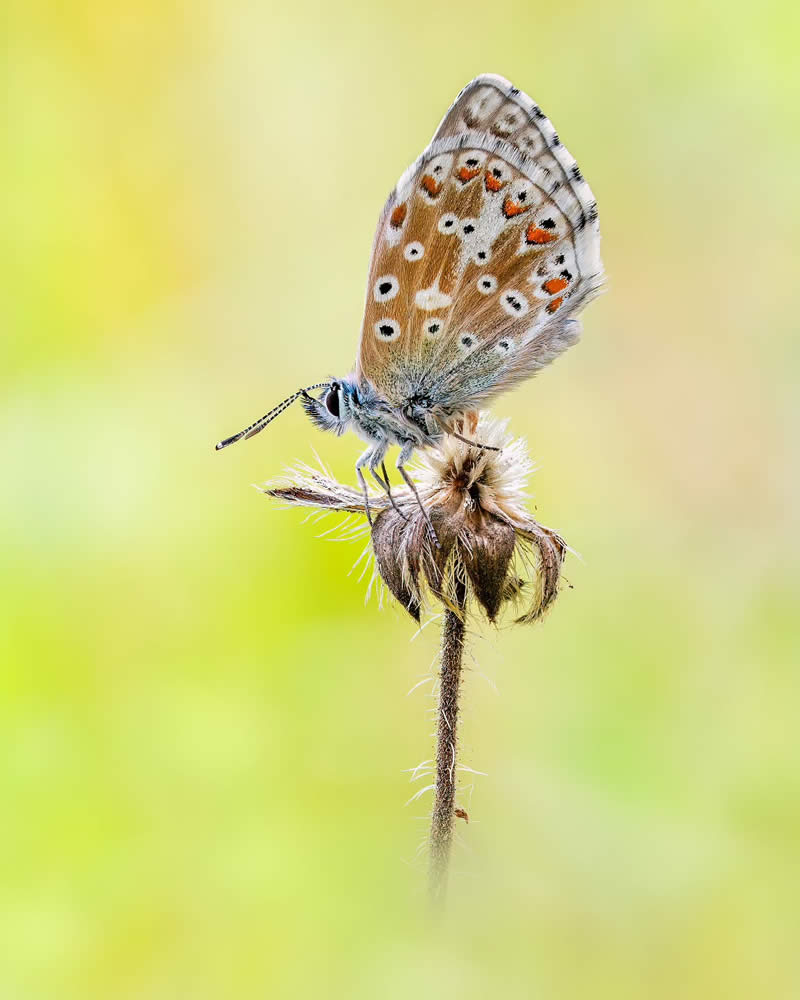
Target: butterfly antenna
259	425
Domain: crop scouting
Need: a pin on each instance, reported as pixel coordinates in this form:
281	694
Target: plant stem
442	820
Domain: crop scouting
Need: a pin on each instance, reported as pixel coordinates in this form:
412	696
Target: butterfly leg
405	453
384	483
363	460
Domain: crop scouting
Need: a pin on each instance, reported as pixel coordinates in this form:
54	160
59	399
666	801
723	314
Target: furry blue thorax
349	404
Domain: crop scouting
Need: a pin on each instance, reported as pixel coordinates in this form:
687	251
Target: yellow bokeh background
203	729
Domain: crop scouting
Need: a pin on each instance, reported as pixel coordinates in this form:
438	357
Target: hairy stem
442	820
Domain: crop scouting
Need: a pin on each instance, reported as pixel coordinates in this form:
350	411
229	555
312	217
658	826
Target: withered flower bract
475	498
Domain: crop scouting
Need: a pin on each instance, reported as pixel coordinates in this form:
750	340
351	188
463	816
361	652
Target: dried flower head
486	545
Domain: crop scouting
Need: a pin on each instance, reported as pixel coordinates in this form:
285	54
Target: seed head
487	544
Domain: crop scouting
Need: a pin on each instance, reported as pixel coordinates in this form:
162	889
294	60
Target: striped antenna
259	425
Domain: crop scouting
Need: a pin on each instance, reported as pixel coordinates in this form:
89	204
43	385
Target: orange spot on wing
552	306
493	183
555	285
431	185
467	173
398	216
537	235
511	208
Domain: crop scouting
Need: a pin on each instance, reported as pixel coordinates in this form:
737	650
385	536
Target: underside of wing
486	250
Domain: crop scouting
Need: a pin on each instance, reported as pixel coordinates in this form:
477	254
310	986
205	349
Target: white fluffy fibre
486	540
501	477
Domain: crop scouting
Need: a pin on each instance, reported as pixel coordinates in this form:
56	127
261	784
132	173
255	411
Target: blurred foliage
202	728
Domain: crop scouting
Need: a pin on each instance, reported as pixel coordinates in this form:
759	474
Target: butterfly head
335	408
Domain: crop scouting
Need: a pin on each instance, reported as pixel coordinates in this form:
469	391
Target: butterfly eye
333	400
448	223
414	251
387	330
385	288
487	283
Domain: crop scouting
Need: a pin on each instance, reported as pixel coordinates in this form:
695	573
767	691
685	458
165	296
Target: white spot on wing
508	120
387	330
385	288
525	194
434	327
393	235
499	172
482	105
468	166
433	176
530	142
432	298
514	303
414	251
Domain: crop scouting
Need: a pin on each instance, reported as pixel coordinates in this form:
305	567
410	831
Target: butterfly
484	254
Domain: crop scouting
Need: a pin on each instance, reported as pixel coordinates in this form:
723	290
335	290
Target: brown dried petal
487	558
551	548
387	545
513	587
447	521
322	493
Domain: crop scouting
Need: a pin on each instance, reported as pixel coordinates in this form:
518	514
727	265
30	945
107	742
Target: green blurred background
203	730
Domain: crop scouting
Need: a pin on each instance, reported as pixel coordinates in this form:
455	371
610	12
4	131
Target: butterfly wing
484	253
